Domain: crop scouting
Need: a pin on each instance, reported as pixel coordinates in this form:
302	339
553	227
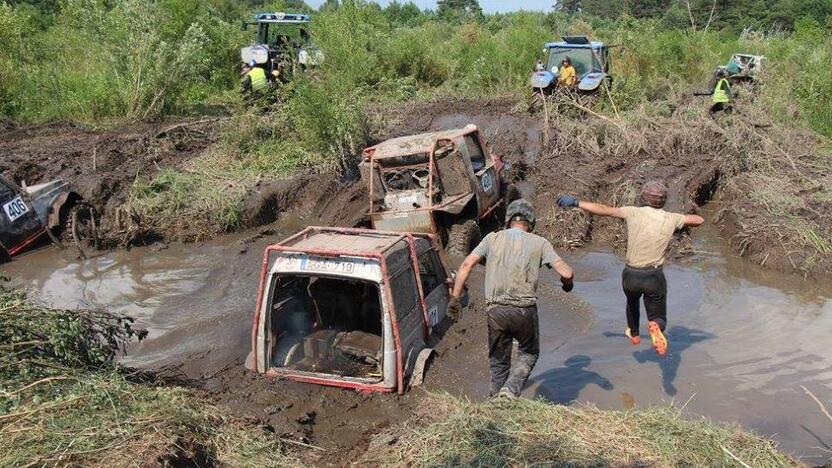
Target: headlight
555	69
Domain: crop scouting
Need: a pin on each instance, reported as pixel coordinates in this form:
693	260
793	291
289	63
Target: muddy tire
463	237
82	228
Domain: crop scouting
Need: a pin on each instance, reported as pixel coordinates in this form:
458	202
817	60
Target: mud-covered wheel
82	227
463	237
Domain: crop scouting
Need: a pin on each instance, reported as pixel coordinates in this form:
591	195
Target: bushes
63	402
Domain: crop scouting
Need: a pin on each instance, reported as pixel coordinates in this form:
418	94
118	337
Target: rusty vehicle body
349	307
51	208
445	183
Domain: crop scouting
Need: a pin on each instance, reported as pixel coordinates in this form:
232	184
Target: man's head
520	213
654	193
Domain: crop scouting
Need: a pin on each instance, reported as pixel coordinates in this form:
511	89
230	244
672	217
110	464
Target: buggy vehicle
282	45
741	68
591	60
51	208
347	307
446	183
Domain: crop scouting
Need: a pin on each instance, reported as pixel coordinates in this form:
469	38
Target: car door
485	171
434	286
19	223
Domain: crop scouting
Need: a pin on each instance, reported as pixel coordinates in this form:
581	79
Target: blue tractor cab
591	60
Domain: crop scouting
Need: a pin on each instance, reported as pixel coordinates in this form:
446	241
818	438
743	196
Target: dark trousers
651	284
505	324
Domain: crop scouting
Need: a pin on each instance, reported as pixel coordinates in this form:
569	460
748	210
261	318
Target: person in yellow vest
722	94
567	76
254	78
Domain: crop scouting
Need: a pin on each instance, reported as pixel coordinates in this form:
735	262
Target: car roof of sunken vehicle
393	246
413	144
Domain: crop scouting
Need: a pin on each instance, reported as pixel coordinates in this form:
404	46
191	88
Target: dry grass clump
63	401
454	432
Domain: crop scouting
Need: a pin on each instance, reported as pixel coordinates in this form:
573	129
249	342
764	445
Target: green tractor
282	47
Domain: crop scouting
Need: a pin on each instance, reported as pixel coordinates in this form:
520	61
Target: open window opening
326	325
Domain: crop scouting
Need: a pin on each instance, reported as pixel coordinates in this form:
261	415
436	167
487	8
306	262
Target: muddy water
742	342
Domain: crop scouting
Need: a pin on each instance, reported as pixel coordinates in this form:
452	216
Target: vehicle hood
39	190
591	81
542	79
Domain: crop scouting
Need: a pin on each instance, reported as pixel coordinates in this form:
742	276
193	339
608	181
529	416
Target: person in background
722	94
649	231
513	259
568	76
254	78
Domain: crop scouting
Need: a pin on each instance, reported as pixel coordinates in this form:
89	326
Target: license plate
15	208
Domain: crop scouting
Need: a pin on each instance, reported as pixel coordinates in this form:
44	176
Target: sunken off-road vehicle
51	209
446	183
348	307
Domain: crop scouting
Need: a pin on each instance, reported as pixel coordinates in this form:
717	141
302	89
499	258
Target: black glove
454	308
567	284
567	201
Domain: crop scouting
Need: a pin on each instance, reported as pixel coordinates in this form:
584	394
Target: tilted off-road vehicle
352	308
741	68
282	45
51	208
446	183
591	60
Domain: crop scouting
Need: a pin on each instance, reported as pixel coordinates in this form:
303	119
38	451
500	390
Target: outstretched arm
463	273
693	220
600	209
568	201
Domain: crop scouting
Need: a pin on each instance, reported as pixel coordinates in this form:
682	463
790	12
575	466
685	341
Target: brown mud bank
773	184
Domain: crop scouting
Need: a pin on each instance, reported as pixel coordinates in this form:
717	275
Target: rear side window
428	273
6	192
405	293
475	153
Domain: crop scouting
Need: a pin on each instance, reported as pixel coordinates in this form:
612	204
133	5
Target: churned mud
729	356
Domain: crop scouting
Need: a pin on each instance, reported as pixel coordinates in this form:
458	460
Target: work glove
454	308
567	201
567	284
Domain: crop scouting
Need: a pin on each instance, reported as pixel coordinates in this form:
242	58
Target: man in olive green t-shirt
649	231
514	257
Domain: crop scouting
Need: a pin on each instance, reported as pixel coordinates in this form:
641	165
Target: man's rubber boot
659	340
635	340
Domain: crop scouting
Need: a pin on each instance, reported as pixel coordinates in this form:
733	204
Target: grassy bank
453	432
63	402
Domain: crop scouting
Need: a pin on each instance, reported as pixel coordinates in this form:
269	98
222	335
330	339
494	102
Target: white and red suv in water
350	308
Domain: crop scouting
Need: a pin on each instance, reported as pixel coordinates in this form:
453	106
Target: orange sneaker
659	341
635	340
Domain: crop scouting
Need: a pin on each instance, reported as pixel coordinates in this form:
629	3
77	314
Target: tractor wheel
82	227
463	237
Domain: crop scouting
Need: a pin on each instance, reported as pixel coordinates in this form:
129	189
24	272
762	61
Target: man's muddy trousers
651	284
505	324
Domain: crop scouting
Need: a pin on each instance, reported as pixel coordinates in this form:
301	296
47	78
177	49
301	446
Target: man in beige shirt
649	231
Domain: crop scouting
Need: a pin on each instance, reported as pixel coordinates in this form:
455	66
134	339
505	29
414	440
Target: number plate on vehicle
15	208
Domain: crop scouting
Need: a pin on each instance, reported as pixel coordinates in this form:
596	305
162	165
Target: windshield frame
584	59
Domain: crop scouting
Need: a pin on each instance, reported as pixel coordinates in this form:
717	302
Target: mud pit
742	341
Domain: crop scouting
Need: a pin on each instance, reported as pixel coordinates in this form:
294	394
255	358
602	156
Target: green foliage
62	403
35	340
